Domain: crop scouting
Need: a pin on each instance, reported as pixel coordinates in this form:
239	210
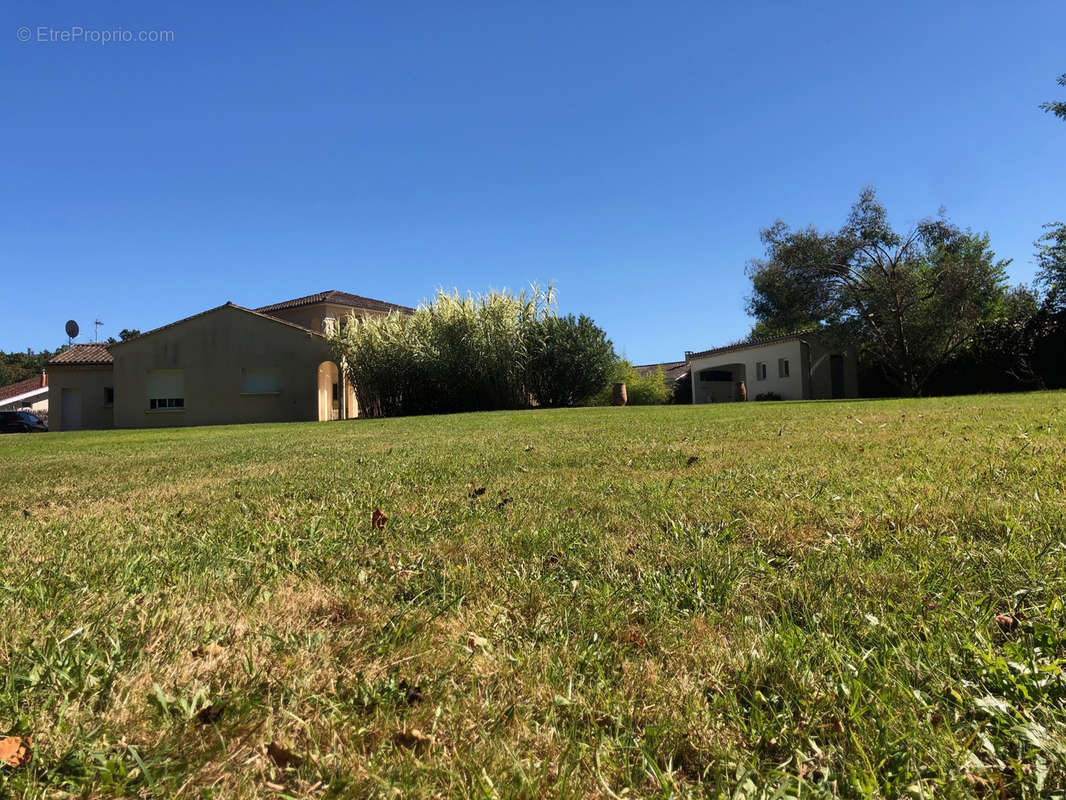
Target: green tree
570	360
1049	325
1051	265
1000	356
912	300
18	366
1056	107
124	335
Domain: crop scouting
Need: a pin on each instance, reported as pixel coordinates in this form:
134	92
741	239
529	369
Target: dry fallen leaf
414	739
208	715
1008	622
692	460
634	636
379	519
979	784
15	751
211	649
282	756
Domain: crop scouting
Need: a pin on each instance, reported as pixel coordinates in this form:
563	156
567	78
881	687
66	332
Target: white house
30	394
797	366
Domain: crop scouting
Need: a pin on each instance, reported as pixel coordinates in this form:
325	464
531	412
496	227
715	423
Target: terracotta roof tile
84	355
672	370
337	298
20	387
729	348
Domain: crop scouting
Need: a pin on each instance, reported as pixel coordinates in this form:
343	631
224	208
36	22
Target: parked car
21	422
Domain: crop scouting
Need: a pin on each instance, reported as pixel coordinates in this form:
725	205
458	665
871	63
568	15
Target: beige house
227	365
798	366
81	389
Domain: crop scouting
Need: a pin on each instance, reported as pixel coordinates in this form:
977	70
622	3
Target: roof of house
337	298
729	348
672	370
24	386
227	304
85	355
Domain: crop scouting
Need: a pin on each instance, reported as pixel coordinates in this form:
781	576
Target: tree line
930	307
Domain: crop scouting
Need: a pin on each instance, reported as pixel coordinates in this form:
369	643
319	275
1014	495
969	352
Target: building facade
799	366
227	365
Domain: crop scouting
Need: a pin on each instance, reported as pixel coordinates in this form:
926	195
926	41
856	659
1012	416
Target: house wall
212	350
38	404
821	374
91	380
810	374
743	362
314	316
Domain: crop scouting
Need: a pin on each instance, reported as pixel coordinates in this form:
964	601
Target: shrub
651	390
570	360
493	351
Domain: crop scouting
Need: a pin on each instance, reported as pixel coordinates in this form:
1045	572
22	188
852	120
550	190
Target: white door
70	414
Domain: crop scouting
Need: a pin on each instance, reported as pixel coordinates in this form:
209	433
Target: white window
760	370
782	368
259	380
166	389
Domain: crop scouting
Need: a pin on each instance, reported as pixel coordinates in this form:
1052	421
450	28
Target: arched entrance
351	404
329	391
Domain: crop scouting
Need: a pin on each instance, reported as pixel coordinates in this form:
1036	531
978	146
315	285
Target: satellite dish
72	329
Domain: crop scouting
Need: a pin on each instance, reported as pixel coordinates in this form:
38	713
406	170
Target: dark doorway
836	376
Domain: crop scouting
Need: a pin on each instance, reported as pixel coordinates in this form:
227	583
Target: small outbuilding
796	366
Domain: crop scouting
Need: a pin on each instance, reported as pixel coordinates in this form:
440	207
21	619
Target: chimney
44	378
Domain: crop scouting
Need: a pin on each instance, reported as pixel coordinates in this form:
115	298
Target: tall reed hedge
453	354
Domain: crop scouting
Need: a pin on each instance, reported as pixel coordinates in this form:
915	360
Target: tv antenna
72	330
96	331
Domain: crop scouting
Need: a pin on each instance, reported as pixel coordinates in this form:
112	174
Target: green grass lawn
782	599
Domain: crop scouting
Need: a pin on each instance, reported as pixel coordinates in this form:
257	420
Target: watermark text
78	34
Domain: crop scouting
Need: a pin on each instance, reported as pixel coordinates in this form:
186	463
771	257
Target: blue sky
629	153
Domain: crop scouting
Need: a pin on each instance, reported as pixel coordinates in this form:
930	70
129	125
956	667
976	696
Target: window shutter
166	383
259	380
